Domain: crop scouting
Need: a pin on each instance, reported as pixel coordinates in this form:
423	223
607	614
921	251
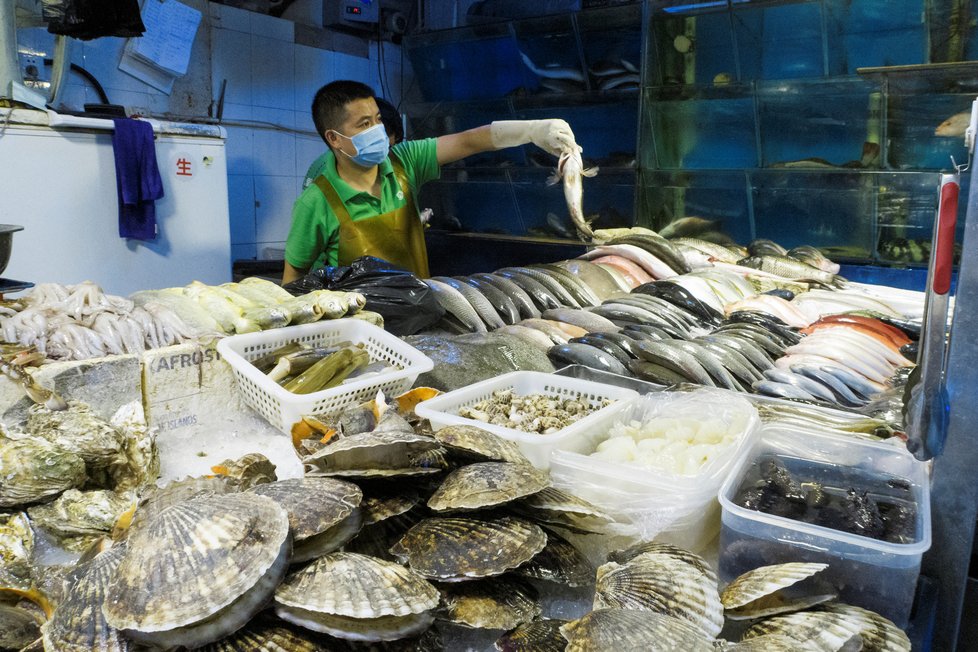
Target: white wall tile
240	151
241	207
101	58
272	27
272	73
134	102
232	18
74	97
274	150
231	60
244	251
313	68
274	198
307	150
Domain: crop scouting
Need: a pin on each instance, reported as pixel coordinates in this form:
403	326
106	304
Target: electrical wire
87	75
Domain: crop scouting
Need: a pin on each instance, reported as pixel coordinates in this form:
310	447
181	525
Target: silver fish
589	321
553	72
813	387
477	300
570	168
601	282
541	296
624	80
840	389
787	268
587	355
455	304
577	288
780	390
503	305
718	252
671	356
532	336
710	362
686	226
524	302
549	282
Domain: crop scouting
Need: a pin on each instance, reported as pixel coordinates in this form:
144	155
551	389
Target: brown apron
396	236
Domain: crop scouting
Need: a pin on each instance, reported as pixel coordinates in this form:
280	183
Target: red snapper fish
570	168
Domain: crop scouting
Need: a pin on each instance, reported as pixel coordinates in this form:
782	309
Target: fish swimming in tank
954	126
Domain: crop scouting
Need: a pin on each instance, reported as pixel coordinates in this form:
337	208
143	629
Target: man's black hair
329	105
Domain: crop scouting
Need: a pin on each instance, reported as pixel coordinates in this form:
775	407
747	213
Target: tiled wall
270	84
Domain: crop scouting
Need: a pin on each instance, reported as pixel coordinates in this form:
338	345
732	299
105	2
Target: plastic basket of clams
538	411
282	408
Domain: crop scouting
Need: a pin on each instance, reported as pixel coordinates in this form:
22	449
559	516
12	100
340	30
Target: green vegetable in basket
297	362
329	371
266	362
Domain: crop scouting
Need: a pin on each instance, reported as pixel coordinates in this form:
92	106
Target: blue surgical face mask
372	146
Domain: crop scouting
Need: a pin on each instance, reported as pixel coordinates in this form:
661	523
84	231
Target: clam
456	549
199	570
814	630
77	518
248	471
538	636
16	550
760	592
18	627
559	508
372	454
78	624
559	562
626	555
486	484
472	444
80	430
323	513
664	585
357	597
626	629
495	603
33	470
878	633
264	635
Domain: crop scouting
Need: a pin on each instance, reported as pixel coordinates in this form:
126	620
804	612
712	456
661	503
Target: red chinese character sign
183	166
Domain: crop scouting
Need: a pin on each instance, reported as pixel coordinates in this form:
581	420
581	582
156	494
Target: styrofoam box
678	509
282	408
866	572
443	410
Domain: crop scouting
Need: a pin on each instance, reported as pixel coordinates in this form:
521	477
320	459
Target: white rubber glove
553	136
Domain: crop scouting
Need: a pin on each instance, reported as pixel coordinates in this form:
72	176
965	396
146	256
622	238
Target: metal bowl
6	243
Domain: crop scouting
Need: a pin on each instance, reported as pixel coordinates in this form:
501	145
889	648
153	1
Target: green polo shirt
314	236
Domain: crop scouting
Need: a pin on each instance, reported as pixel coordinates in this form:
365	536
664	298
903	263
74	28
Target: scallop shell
496	603
18	627
34	470
248	471
627	629
78	624
557	507
661	584
199	570
486	484
377	509
538	636
758	592
559	562
766	643
156	499
626	555
455	549
470	443
323	513
878	633
265	636
357	597
372	454
814	630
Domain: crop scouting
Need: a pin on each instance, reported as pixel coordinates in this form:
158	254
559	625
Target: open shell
469	443
323	513
85	433
265	636
18	627
34	470
78	625
373	454
626	629
486	484
199	570
77	518
357	597
878	633
16	550
626	555
247	471
559	562
664	585
538	636
759	592
455	549
557	507
495	603
814	630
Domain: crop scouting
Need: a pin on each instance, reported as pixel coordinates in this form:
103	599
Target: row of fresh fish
609	75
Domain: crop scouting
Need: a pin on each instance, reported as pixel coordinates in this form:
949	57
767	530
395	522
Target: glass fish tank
866	33
779	41
710	205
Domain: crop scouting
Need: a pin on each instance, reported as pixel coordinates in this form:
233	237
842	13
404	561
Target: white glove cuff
511	133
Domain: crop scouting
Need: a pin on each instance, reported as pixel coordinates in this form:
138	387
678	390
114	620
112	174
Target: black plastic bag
89	19
405	302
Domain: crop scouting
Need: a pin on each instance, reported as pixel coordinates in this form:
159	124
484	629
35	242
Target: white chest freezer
58	180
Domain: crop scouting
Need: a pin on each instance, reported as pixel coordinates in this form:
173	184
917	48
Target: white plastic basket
443	410
283	408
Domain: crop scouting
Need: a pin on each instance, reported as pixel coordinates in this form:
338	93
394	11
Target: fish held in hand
570	168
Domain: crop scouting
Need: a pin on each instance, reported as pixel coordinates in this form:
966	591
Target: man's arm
554	136
452	147
292	273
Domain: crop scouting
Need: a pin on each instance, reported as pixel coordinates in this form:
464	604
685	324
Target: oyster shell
372	454
323	513
16	549
664	585
78	624
557	507
559	562
85	433
77	518
486	484
472	444
139	447
626	555
265	635
815	630
626	629
455	549
357	597
878	633
199	570
538	636
247	471
18	627
759	592
33	470
496	603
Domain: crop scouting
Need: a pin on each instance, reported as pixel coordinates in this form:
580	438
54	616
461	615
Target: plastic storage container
673	508
866	572
443	410
283	408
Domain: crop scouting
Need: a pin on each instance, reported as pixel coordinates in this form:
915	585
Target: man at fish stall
362	202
